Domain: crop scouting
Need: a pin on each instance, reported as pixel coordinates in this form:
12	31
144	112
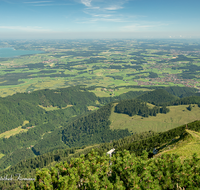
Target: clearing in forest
15	131
177	116
52	108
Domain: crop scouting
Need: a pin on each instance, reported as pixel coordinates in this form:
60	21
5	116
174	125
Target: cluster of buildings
170	78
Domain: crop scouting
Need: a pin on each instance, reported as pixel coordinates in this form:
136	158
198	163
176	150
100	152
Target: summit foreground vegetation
125	170
122	171
133	157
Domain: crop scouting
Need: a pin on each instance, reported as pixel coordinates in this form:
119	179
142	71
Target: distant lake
11	52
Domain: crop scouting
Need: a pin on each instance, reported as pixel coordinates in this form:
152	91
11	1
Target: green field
177	116
109	64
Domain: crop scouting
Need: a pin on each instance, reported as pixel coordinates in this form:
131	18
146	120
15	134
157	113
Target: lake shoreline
10	52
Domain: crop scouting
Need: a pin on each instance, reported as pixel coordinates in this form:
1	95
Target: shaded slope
181	91
15	109
158	96
82	130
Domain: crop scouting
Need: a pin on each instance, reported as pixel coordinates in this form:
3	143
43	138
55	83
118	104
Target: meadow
177	116
103	92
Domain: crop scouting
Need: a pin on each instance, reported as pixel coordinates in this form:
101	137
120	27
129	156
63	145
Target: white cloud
102	15
36	2
113	8
45	3
27	28
93	8
94	20
136	27
40	3
87	3
104	5
103	10
143	26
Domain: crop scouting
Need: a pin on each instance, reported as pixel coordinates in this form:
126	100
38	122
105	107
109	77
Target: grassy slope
177	116
184	148
116	92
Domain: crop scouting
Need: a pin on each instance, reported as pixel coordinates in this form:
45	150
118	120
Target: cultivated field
107	64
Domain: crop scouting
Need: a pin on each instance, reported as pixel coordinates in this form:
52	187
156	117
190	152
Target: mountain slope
128	171
65	126
184	146
158	96
178	115
181	91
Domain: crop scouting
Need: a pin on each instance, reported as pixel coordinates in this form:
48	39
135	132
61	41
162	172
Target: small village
170	78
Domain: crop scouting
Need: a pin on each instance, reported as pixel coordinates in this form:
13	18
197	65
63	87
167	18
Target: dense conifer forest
122	171
158	96
137	107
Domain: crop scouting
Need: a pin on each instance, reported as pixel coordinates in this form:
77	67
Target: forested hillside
158	96
182	91
63	127
159	139
186	100
84	130
25	107
14	110
137	107
51	120
28	168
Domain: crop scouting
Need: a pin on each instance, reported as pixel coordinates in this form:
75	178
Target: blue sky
71	19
